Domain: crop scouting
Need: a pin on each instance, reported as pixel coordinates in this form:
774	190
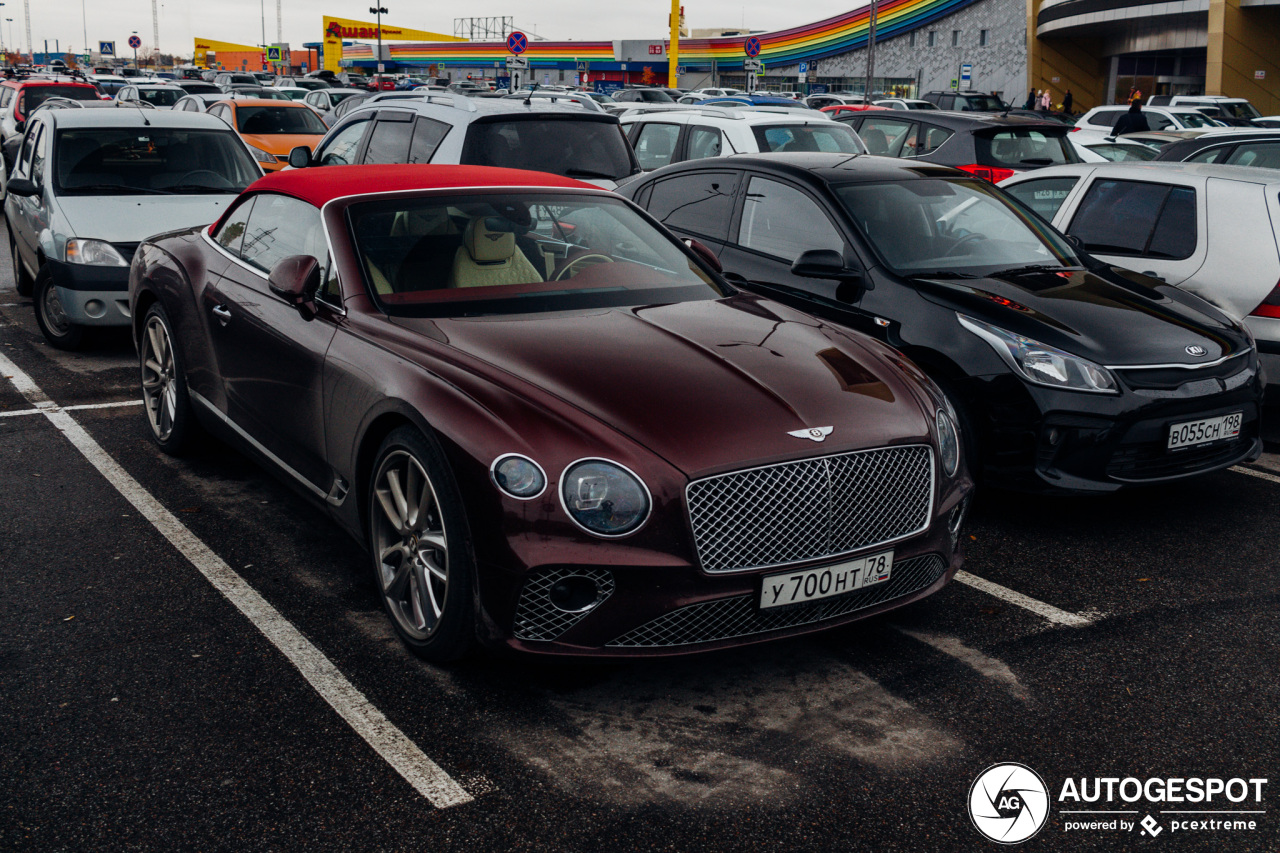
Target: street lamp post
379	11
871	52
10	20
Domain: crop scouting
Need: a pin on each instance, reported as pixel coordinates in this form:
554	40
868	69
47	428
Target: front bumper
1044	440
92	295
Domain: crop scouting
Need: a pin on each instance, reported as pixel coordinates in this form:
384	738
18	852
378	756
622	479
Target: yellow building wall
1243	41
226	49
1075	62
336	29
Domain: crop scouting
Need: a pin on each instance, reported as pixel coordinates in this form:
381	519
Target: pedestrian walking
1066	102
1045	100
1031	100
1133	121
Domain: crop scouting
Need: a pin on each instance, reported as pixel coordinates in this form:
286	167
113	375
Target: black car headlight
948	443
1043	364
518	476
604	498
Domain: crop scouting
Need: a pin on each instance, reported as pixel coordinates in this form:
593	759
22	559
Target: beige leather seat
488	258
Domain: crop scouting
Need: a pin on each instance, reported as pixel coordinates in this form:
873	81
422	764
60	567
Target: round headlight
518	476
604	498
948	443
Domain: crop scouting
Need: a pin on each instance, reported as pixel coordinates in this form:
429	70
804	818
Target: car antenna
533	87
142	113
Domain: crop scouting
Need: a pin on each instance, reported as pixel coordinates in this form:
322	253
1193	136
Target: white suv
660	138
1103	119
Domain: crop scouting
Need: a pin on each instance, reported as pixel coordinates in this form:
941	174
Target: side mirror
22	187
295	280
300	157
707	256
19	126
823	263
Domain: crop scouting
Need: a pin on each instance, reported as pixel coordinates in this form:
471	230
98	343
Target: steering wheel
181	181
968	238
572	268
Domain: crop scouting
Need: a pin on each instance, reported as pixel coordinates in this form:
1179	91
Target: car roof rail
61	102
447	99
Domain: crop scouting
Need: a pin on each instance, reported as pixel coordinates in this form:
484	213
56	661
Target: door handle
1153	274
223	315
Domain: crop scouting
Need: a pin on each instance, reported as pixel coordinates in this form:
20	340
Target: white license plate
812	584
1191	433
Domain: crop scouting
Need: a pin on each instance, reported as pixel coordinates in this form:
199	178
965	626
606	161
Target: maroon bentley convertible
555	426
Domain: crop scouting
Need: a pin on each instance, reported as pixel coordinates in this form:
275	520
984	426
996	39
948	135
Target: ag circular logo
1008	803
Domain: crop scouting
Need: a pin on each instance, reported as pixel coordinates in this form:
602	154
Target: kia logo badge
1196	350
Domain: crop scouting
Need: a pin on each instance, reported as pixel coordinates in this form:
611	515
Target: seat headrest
490	240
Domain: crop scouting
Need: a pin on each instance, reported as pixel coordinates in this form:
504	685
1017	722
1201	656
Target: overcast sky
240	21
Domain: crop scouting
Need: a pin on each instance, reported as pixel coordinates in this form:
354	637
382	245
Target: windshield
270	121
1240	109
357	80
831	137
337	96
160	97
980	104
107	161
1195	118
201	89
34	96
524	253
950	225
1123	153
573	147
1024	147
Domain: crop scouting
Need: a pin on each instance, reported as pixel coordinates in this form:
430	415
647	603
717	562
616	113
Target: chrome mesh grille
538	619
810	509
728	618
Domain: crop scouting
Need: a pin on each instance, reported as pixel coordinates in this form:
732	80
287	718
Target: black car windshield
138	161
980	104
271	121
160	97
525	253
34	96
569	146
831	137
1195	119
953	225
200	88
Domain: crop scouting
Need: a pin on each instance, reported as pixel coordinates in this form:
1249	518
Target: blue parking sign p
107	48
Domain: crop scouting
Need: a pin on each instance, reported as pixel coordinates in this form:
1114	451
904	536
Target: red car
556	427
20	96
843	109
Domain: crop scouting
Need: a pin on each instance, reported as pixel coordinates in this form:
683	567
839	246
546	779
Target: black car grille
537	618
1153	461
810	509
126	250
1170	378
727	618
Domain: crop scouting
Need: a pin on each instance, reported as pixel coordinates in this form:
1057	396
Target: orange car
272	128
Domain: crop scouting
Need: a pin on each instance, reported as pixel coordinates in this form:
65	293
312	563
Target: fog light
956	519
1054	435
95	308
518	476
574	594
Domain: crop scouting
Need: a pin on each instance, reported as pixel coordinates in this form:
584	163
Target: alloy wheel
159	385
410	543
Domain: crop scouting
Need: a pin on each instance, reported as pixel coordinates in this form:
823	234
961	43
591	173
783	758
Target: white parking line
370	723
1047	611
1240	469
79	408
996	670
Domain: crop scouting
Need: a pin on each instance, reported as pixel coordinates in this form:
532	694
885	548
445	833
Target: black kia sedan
1068	375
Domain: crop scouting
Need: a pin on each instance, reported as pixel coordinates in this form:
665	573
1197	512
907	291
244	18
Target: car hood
1110	316
133	218
282	143
709	385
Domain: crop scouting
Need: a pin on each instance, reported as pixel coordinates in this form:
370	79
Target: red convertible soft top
318	185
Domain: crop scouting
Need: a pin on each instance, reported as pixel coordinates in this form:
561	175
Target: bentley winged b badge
813	433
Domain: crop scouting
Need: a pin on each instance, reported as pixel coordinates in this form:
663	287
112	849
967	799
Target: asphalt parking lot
1128	636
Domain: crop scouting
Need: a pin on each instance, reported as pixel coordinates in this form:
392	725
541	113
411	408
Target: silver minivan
89	185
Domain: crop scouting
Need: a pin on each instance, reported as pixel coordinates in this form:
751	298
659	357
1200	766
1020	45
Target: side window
40	154
330	292
781	221
1134	218
389	142
933	138
341	150
889	137
1264	154
280	227
1044	195
1209	155
946	102
6	97
704	142
656	144
427	136
1107	118
231	234
700	203
1156	121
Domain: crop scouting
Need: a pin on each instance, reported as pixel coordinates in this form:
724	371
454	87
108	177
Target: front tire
164	385
417	538
58	330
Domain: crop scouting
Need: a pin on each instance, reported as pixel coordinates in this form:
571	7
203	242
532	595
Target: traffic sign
107	48
752	47
966	74
804	68
135	42
273	54
517	63
751	65
517	42
583	67
85	59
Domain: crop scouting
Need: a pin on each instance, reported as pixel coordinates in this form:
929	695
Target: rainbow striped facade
830	37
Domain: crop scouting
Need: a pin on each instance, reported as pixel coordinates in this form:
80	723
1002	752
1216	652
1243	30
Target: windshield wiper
1033	268
588	173
116	189
941	274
